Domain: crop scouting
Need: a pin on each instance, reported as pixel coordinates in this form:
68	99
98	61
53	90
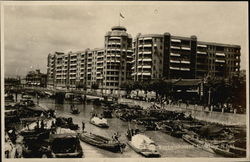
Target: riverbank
196	112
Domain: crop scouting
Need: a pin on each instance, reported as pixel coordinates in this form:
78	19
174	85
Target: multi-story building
149	56
173	57
66	70
36	78
108	67
117	58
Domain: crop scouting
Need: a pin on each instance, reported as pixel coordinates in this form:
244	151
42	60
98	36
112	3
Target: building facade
117	58
107	67
173	57
36	79
147	57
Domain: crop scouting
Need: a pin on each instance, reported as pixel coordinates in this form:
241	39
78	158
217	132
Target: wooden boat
223	152
35	134
238	150
99	122
197	142
107	113
177	134
102	142
75	111
66	145
144	146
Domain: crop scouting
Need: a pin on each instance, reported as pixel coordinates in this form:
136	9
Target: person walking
83	126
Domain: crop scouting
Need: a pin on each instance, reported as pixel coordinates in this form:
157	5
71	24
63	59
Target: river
168	146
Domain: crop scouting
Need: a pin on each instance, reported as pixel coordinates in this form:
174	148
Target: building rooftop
121	28
218	44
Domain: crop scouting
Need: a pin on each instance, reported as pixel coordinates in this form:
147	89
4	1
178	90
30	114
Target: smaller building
36	79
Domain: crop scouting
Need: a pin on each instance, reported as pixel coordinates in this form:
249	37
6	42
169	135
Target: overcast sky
31	32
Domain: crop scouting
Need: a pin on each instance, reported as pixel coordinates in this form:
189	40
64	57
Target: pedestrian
83	126
42	124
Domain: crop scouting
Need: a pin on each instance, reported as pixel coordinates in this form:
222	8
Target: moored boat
102	142
223	151
66	145
74	110
99	122
195	141
144	145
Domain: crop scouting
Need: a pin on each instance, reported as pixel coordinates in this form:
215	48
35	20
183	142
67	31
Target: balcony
99	67
147	52
174	47
176	40
175	54
220	61
147	59
185	69
185	62
99	56
147	45
185	48
146	73
147	38
174	68
220	54
174	61
203	46
146	67
99	77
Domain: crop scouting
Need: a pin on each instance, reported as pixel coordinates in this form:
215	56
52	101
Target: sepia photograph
124	80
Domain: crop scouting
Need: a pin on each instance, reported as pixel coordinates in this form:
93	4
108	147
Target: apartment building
117	58
149	56
66	70
173	57
108	67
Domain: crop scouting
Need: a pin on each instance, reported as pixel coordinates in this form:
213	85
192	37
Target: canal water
168	146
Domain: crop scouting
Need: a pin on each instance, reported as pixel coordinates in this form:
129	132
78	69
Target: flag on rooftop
122	15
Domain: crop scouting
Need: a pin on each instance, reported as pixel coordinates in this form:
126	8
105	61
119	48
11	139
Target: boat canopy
141	141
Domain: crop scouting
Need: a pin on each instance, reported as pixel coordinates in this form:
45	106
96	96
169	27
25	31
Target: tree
161	87
95	86
127	86
81	85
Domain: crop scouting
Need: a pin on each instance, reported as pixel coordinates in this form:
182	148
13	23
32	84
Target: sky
33	30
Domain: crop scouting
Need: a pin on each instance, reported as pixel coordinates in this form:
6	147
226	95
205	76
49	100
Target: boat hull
101	125
144	152
101	142
224	152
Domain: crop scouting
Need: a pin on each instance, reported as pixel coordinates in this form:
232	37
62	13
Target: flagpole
119	18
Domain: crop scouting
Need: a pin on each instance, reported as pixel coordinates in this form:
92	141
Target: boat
238	150
74	110
36	134
99	122
102	142
195	141
66	145
223	151
8	98
66	123
107	113
144	145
